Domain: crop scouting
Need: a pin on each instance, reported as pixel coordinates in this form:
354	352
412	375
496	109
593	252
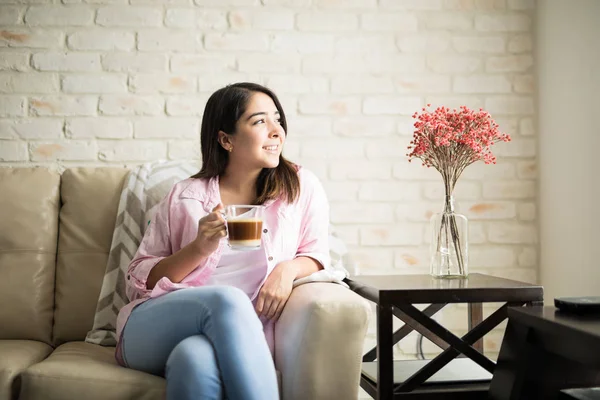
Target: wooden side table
395	295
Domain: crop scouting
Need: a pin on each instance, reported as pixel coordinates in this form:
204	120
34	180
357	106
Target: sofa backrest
29	205
90	198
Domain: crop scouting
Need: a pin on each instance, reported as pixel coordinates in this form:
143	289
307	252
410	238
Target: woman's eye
278	121
260	121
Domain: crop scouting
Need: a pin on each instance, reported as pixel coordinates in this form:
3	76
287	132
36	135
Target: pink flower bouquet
449	141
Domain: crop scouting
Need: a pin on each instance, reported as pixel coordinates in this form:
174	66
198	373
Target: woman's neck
238	186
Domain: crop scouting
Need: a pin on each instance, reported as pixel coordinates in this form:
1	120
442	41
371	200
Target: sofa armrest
319	342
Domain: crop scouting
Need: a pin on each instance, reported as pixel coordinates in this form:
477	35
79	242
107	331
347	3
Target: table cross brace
404	330
457	345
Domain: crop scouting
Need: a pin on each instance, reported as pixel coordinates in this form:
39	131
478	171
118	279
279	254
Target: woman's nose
275	129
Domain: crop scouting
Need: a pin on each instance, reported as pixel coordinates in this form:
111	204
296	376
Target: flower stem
449	227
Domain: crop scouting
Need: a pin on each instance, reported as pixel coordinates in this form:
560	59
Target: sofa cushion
144	189
15	357
90	197
79	370
29	203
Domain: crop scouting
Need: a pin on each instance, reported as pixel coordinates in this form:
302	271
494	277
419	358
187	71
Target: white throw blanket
144	188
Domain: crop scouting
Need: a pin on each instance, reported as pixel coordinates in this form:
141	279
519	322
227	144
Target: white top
244	269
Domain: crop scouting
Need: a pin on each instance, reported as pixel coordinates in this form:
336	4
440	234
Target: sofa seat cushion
15	357
79	370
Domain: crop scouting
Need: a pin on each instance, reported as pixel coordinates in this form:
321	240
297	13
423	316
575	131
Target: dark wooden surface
551	319
580	394
477	391
420	289
545	350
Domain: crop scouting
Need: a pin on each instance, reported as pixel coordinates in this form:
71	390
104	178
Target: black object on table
444	376
578	305
545	350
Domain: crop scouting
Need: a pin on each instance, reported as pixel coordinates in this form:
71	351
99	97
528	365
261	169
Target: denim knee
191	354
232	304
223	306
228	297
218	298
192	371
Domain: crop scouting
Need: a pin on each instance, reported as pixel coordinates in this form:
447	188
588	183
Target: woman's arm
154	247
311	256
176	266
314	227
211	229
301	266
154	258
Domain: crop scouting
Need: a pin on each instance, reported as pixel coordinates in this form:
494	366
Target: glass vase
449	243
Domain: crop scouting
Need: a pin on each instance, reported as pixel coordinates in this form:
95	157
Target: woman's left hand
276	290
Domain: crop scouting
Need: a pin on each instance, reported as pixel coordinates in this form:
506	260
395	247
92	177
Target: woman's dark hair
223	110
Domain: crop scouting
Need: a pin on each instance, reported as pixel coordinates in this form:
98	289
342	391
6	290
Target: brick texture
107	82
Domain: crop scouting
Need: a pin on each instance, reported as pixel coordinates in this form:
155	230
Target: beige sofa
55	234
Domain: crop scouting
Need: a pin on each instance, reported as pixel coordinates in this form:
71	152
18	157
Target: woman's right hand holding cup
211	229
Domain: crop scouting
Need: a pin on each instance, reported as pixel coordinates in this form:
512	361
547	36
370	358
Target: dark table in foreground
395	295
545	350
580	394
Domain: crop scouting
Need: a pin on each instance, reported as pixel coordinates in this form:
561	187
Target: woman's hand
211	229
276	290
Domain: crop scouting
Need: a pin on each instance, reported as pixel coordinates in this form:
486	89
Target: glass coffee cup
244	226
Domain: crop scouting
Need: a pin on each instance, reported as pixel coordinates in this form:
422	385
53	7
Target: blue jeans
208	342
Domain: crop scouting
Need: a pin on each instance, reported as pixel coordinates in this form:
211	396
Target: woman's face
259	137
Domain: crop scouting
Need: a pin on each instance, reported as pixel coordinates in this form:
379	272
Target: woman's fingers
269	305
212	230
260	303
214	217
217	234
208	226
210	222
272	311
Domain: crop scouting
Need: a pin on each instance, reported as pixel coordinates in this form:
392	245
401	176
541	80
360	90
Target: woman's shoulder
196	188
307	177
310	185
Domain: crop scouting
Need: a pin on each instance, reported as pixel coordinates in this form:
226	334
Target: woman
196	306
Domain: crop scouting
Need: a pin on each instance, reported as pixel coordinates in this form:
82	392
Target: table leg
385	353
513	362
475	318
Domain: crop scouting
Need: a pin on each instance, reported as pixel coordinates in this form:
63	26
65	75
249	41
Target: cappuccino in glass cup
244	226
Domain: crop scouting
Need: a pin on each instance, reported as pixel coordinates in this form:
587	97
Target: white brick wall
107	83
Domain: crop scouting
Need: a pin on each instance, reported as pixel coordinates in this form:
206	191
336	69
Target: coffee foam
253	220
